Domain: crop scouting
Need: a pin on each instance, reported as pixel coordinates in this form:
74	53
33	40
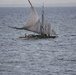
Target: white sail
47	27
36	27
33	18
33	22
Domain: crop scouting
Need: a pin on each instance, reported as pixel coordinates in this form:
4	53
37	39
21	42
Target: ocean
38	56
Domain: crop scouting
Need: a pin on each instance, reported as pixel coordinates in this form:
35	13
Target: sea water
42	56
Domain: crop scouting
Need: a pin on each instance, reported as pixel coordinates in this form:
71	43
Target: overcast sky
38	2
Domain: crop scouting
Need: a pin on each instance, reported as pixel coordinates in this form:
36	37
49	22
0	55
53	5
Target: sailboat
40	26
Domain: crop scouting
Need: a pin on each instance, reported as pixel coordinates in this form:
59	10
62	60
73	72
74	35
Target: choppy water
42	56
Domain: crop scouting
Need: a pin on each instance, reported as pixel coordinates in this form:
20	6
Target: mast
49	28
42	25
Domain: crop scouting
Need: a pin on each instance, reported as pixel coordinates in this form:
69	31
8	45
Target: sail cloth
33	23
47	27
33	18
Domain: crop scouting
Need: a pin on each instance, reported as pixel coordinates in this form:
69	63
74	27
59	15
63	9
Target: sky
37	3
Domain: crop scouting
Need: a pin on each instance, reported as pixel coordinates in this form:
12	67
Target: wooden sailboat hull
37	37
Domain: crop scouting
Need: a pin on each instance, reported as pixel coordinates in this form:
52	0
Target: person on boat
45	35
25	35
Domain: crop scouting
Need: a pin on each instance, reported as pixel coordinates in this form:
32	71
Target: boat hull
37	37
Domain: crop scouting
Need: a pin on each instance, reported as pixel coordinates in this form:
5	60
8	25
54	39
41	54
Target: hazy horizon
37	3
